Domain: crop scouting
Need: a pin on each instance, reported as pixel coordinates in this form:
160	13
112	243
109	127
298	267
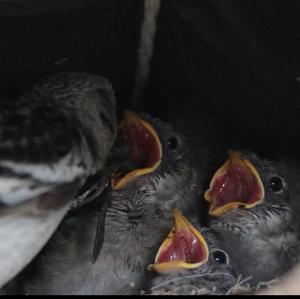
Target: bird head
160	165
154	148
250	201
87	101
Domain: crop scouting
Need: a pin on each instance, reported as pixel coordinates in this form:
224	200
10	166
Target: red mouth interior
143	148
184	247
237	184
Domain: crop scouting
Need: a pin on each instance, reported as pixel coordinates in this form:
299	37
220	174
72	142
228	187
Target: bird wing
22	235
39	149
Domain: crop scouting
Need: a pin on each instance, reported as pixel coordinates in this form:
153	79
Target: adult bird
190	261
54	138
254	203
158	175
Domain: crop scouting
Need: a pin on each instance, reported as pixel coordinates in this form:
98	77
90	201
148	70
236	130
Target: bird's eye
172	143
221	257
276	184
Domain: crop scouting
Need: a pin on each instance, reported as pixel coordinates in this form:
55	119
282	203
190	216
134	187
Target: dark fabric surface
42	37
236	59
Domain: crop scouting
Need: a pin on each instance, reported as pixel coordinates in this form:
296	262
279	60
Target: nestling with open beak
138	217
251	201
53	137
190	262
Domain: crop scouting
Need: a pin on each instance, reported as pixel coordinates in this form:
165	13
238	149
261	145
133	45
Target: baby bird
254	205
162	176
53	138
190	262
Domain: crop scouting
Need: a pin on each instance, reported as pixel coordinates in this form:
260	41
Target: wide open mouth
145	150
235	184
184	248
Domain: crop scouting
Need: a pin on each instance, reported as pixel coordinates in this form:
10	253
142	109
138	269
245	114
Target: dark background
41	37
238	60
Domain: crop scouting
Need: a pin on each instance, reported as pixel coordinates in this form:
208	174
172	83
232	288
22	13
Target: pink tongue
144	150
238	184
183	248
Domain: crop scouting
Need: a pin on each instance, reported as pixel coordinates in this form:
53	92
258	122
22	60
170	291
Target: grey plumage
58	132
263	241
53	138
137	219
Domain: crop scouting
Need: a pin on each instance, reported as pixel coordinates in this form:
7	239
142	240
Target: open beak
235	184
184	248
145	148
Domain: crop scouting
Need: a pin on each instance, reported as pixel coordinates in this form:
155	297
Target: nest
286	285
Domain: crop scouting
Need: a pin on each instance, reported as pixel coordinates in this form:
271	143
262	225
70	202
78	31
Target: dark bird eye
220	257
276	184
172	143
